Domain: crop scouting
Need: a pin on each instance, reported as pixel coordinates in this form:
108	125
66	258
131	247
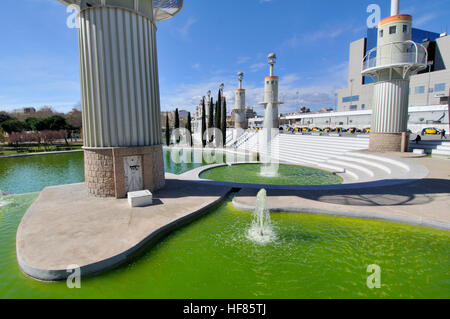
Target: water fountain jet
261	230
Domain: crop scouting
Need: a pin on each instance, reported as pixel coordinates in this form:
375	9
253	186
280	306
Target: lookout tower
240	118
271	96
120	94
392	62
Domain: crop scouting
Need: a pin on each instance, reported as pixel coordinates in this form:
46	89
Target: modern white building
419	117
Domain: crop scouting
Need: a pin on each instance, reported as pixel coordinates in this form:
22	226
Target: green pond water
31	174
312	257
286	175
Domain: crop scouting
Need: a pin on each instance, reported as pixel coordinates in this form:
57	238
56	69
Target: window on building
353	107
405	28
354	98
420	89
381	33
439	87
363	106
393	30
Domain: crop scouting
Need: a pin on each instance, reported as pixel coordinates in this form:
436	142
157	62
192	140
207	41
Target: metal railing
407	53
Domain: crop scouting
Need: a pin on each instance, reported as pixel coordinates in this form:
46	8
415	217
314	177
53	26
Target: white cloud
243	59
317	92
257	66
422	20
324	33
185	29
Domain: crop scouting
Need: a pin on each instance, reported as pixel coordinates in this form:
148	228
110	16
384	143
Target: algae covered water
312	257
285	175
28	174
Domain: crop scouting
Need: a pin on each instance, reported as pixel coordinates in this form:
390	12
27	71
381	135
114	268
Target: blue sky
206	44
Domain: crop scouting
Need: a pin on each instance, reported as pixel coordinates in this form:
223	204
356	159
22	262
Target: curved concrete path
424	202
65	227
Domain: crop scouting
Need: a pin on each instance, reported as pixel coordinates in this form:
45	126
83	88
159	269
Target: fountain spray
261	230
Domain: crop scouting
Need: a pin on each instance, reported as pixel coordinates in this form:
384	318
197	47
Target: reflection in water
33	173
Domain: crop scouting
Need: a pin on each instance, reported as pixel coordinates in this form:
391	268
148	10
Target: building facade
428	87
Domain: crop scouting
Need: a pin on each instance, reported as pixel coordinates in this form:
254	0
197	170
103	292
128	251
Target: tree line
39	129
217	119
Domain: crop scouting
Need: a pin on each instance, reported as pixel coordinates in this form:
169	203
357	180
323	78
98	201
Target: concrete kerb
119	259
349	214
194	176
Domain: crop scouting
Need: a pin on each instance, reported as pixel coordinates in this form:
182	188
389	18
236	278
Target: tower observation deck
271	103
391	63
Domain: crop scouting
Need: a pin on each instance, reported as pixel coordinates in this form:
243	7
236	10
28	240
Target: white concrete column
240	119
395	7
390	111
119	78
271	99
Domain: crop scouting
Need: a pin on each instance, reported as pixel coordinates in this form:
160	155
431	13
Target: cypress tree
217	123
177	124
224	121
167	130
188	126
177	119
203	122
217	115
211	114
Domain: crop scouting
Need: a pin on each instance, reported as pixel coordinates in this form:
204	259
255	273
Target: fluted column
120	101
390	112
119	78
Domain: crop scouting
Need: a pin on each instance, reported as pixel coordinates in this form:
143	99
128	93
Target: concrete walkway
424	202
66	227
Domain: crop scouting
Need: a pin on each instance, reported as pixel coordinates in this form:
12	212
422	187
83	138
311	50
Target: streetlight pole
351	92
429	63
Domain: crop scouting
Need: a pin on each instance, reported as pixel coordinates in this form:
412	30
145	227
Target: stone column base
389	142
105	173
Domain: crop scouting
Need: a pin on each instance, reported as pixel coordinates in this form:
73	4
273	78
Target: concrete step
336	140
389	161
323	144
324	151
366	162
346	164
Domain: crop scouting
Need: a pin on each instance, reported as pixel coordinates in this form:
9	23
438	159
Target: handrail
418	57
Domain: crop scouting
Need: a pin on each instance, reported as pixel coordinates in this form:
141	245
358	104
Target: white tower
392	62
240	118
120	93
271	102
